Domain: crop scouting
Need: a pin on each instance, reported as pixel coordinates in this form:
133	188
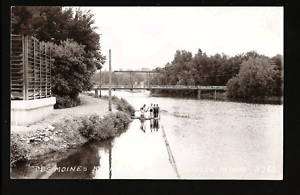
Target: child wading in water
151	111
155	110
143	111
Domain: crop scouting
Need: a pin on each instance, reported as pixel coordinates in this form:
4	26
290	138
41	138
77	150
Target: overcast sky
149	36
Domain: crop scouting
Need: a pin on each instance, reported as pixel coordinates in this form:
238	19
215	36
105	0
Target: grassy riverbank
69	128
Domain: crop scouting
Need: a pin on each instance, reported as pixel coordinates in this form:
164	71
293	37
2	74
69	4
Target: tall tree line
247	76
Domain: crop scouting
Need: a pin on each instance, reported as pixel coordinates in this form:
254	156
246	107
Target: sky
148	37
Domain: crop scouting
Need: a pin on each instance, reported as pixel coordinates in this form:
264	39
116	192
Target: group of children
153	116
153	109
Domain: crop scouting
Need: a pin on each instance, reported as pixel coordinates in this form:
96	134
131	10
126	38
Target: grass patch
121	104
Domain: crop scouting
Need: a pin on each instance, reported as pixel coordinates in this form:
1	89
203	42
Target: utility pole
100	81
148	75
131	80
109	92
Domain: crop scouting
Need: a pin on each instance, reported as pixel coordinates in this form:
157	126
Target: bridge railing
162	87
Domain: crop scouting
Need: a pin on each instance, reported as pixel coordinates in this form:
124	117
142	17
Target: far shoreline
273	100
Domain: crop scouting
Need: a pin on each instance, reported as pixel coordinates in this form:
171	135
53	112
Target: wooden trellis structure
30	68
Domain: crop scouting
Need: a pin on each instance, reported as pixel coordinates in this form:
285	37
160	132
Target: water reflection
215	139
153	125
84	163
110	159
143	127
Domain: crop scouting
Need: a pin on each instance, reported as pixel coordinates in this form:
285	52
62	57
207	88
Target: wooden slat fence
30	68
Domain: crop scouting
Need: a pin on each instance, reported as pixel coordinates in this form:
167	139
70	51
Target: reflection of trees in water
83	162
22	169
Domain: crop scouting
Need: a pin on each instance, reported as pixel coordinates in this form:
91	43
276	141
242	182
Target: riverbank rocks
41	135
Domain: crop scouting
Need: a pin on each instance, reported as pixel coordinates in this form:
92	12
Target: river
194	139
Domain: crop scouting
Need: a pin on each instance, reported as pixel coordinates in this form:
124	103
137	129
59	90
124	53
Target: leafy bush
96	128
121	104
233	87
67	133
69	70
278	61
66	102
254	80
71	73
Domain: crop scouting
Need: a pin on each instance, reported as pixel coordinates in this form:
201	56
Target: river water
193	139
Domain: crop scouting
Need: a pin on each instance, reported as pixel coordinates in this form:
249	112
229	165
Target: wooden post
100	83
109	92
46	70
50	65
34	62
25	66
40	83
148	80
131	80
96	93
199	94
215	94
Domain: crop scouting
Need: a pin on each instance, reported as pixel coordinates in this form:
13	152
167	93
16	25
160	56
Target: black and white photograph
147	92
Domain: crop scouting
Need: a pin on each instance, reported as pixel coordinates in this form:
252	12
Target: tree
69	57
180	67
201	66
255	80
59	26
278	76
55	24
21	20
247	76
233	88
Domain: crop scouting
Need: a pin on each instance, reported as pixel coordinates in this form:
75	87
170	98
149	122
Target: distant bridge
149	86
132	86
169	87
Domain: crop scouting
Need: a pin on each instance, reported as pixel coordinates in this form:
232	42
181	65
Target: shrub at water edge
97	128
